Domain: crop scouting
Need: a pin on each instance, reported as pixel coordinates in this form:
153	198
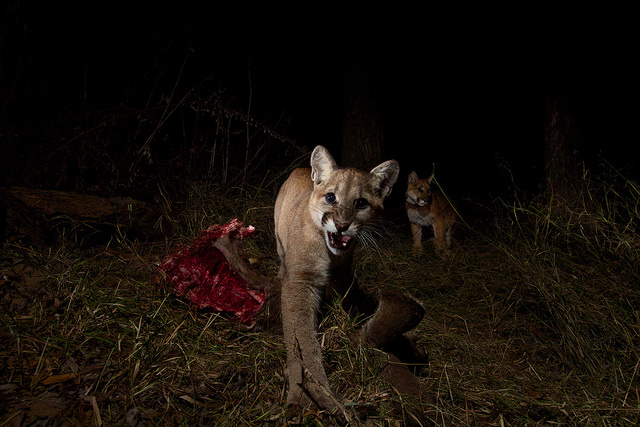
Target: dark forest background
127	128
111	97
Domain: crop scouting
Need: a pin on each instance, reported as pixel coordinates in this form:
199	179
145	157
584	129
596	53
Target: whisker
366	237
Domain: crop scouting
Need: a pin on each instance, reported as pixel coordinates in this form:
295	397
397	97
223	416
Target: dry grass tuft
533	320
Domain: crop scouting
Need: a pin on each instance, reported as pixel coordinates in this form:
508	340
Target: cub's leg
448	235
439	235
416	232
307	379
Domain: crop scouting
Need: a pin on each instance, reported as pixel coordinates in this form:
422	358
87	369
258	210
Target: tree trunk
562	158
362	138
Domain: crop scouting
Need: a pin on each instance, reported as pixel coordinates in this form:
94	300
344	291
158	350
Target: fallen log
35	213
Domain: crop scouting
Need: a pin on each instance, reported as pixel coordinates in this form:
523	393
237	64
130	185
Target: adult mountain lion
319	215
429	207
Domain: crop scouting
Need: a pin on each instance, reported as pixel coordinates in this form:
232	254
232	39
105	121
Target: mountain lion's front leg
307	379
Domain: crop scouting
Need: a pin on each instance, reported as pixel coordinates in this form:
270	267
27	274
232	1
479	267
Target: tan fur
429	207
312	205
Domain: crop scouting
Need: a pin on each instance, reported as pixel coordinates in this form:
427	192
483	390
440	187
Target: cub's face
345	200
418	190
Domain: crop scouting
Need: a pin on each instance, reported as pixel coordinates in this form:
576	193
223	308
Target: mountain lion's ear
322	165
413	177
385	175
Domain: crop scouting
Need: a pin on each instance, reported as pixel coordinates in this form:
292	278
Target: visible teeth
339	241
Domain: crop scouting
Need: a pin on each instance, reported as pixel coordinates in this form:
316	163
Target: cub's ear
413	177
433	173
322	164
385	175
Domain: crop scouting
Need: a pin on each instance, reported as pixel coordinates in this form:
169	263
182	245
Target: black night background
464	89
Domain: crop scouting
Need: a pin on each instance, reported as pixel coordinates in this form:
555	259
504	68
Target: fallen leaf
55	379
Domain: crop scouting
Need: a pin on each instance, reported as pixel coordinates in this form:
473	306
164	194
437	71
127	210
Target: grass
531	320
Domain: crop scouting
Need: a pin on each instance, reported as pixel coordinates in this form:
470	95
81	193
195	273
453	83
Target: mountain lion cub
429	207
319	215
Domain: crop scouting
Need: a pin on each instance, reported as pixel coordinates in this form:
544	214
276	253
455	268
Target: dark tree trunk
562	156
362	138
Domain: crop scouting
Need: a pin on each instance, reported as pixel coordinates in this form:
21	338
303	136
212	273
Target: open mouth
414	202
339	240
417	202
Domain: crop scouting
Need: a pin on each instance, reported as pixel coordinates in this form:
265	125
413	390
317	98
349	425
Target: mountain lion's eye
361	203
330	198
420	189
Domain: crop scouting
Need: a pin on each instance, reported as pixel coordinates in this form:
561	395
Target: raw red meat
201	273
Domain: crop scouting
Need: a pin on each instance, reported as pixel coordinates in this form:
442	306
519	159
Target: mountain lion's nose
341	227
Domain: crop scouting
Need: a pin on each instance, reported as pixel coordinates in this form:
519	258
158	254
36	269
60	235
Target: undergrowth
531	320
